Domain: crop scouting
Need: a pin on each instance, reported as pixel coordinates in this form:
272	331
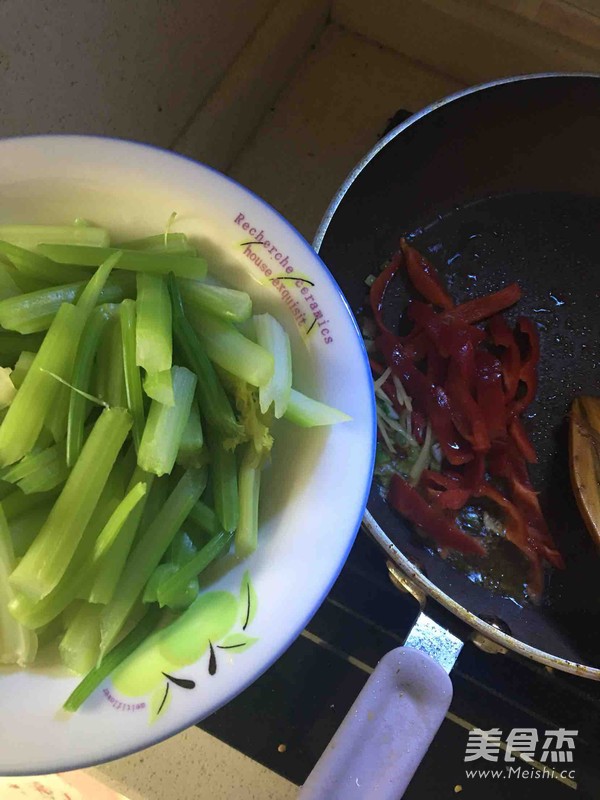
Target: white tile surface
328	116
193	765
131	68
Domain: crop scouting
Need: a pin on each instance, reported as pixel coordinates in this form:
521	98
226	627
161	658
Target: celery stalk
27	413
153	333
45	474
231	350
159	243
133	381
159	386
171	587
17	644
93	290
223	473
32	463
24	362
165	425
111	661
191	447
30	236
39	267
134	260
8	390
309	413
181	598
11	344
212	399
246	535
25	527
205	518
8	285
229	304
44	564
116	393
81	378
17	502
271	335
79	648
113	564
148	552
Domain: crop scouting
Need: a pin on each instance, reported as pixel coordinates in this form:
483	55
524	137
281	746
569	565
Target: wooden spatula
584	445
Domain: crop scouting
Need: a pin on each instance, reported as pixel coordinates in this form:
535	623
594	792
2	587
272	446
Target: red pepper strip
466	414
380	286
489	393
469	313
425	278
528	371
405	499
430	400
522	441
437	366
447	333
516	532
510	358
419	424
474	474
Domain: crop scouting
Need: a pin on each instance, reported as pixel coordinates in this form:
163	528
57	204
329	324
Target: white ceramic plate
314	492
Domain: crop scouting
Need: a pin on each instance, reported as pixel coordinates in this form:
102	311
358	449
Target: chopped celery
246	534
111	661
229	304
178	600
11	344
33	462
17	644
191	448
148	552
93	290
133	381
182	549
27	413
171	587
30	236
8	285
223	473
7	387
153	333
79	648
81	378
231	350
159	386
110	532
165	425
205	518
39	267
113	564
47	475
17	502
214	403
171	243
116	393
256	425
34	614
271	335
308	413
135	260
44	564
34	312
25	527
24	362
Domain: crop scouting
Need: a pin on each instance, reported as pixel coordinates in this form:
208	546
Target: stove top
286	718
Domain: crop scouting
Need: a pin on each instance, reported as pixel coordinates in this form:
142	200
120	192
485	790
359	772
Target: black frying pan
498	184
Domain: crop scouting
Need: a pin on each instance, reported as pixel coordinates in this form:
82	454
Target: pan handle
385	735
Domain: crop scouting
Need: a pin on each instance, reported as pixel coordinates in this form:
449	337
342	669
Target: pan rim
371	525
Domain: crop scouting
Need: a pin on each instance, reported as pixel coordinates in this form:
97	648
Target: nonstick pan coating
496	185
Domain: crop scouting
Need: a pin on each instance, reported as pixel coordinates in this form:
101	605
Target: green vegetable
44	564
80	646
12	344
111	661
25	527
191	448
272	336
171	243
81	378
231	350
112	344
24	362
205	518
95	286
7	387
159	386
27	413
30	236
133	381
229	304
135	260
172	587
178	600
308	413
153	335
223	473
148	552
39	267
165	425
17	644
246	535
